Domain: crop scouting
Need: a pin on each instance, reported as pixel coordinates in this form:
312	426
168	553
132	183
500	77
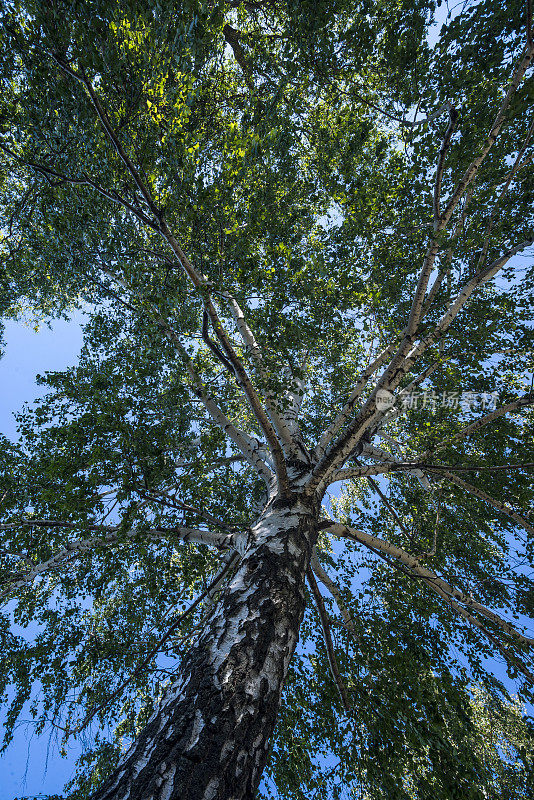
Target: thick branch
481	277
232	37
348	408
370	415
444	218
472	170
515	169
241	375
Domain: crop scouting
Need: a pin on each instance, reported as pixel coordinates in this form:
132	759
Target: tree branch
323	616
515	405
348	408
370	415
232	37
374	485
198	280
79	547
482	277
171	500
504	508
335	592
280	425
393	465
444	218
472	170
83	180
213	586
427	575
515	168
453	118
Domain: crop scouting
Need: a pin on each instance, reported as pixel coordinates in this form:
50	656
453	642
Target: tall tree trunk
210	737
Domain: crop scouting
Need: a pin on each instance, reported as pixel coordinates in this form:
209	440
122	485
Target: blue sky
28	353
32	765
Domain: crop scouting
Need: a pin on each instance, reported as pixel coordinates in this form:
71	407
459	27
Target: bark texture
209	739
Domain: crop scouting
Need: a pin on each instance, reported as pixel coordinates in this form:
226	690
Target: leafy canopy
282	147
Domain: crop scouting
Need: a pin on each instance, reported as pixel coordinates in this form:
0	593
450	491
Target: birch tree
277	520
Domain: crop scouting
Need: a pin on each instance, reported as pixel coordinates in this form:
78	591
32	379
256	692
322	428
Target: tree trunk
209	738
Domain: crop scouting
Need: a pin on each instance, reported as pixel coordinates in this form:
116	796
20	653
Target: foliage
274	141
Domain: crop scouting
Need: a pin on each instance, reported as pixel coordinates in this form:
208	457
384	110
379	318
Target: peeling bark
210	737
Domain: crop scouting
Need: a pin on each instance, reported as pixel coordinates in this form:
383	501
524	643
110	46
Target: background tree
283	220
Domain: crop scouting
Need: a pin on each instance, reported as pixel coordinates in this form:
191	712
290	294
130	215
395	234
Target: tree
300	234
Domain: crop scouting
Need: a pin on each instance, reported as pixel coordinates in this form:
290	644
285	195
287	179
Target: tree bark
209	739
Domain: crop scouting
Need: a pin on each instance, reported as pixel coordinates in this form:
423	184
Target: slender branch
385	456
83	180
106	124
198	280
365	470
215	349
325	624
429	576
504	508
446	268
374	485
472	620
282	429
432	552
171	500
335	592
453	118
214	584
79	547
370	415
247	445
515	168
524	401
